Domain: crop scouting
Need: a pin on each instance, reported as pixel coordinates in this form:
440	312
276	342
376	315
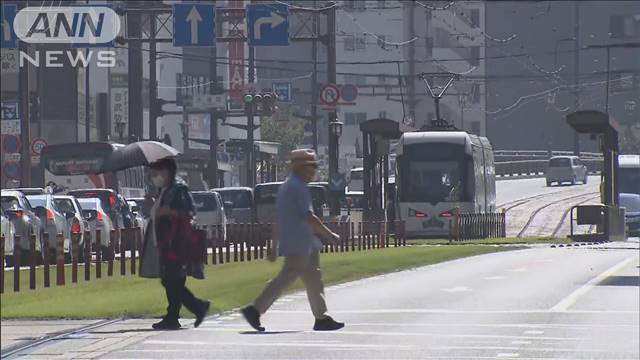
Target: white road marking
571	299
276	344
521	342
457	289
534	332
508	355
498	277
453	311
405	334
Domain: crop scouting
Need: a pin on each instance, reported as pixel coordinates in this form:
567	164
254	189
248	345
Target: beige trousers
308	269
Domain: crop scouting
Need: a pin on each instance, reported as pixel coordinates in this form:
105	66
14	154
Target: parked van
240	202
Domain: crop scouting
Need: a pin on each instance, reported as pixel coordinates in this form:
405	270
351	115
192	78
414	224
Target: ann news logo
75	26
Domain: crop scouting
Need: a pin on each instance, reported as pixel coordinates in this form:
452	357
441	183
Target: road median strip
228	286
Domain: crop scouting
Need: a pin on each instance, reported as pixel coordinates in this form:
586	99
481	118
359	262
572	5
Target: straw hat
301	157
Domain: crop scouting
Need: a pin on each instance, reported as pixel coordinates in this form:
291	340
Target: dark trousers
173	280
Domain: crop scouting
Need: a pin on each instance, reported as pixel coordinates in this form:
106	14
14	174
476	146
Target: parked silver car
566	169
54	222
98	219
72	211
25	221
8	232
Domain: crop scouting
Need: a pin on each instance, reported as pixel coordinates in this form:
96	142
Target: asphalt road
540	303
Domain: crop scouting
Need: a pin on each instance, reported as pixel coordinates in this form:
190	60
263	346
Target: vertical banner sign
199	128
236	64
119	90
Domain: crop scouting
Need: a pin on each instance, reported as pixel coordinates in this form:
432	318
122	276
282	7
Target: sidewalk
15	333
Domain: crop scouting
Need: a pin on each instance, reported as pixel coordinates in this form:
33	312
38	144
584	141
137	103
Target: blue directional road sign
268	24
282	91
194	25
8	38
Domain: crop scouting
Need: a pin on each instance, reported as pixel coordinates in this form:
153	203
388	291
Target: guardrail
243	242
539	167
472	226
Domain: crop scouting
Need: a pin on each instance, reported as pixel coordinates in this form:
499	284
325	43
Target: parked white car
8	234
98	219
566	169
72	211
210	212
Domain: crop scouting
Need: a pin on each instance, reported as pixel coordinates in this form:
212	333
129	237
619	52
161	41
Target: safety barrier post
344	236
98	254
387	230
123	255
255	238
2	263
112	252
214	244
242	233
75	253
230	239
16	263
235	242
352	228
60	260
133	246
87	256
208	238
404	234
32	262
250	242
359	235
221	244
45	259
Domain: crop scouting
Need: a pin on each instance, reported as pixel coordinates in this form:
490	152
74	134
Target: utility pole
87	104
334	209
576	71
153	82
23	91
412	65
314	82
251	173
213	124
134	33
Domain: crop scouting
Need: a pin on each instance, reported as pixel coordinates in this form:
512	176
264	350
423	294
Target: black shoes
165	324
327	324
252	315
200	317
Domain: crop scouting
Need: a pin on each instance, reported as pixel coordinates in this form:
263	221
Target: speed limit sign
37	145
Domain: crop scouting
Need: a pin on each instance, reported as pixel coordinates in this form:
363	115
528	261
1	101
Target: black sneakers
252	315
200	317
165	324
327	324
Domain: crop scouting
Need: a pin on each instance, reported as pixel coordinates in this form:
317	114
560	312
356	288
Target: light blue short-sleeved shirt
294	205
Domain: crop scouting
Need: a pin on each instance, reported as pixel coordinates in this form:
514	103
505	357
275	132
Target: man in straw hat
297	243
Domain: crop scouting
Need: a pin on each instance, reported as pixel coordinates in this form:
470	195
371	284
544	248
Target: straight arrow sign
194	18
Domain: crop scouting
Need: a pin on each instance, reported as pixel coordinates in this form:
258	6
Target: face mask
158	181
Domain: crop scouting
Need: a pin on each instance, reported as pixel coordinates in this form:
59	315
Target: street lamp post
335	129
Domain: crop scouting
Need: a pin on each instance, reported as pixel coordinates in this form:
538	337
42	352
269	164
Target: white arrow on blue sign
8	38
268	24
282	91
194	25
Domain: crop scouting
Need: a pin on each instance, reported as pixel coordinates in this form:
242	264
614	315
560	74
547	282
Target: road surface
538	303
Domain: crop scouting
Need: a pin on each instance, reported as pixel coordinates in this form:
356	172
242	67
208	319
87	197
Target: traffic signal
262	103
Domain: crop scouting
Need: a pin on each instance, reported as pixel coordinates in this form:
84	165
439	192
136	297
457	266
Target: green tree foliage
288	133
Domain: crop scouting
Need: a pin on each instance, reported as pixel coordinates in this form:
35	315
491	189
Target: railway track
539	209
515	203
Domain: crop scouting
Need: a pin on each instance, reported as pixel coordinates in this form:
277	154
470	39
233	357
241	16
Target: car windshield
239	199
205	201
10	203
38	201
65	205
560	162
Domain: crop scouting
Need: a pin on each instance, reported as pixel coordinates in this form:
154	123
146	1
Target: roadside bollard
87	255
75	253
16	263
133	246
214	244
112	253
123	264
229	240
241	238
98	254
386	234
60	280
235	243
32	262
45	260
352	235
221	244
2	265
249	240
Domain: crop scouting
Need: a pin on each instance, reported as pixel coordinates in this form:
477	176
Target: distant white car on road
563	169
210	212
